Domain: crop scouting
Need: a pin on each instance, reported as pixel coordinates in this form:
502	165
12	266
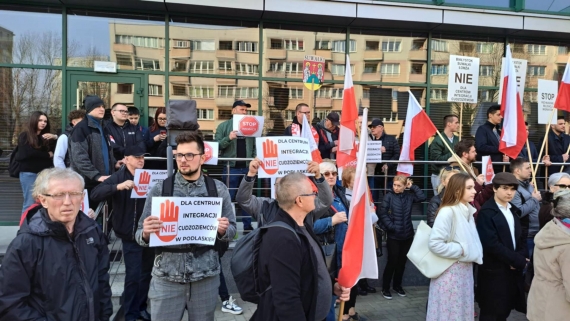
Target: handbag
330	257
428	263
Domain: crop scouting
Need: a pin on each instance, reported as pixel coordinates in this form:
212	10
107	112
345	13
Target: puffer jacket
395	214
48	274
549	297
433	206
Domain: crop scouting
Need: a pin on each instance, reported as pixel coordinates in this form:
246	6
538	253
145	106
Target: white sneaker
229	306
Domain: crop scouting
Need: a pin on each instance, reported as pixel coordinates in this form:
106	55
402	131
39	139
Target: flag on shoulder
417	129
346	153
563	98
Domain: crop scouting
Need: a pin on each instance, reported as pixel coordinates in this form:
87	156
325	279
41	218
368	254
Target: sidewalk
373	307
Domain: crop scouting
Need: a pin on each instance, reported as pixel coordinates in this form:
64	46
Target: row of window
488	70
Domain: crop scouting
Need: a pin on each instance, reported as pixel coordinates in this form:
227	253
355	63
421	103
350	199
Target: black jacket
126	210
48	274
395	214
291	271
392	152
123	136
499	288
557	146
34	160
487	143
325	144
433	206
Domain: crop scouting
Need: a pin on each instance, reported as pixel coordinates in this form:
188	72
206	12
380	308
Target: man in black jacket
558	143
328	135
57	266
487	138
390	151
121	132
301	287
126	214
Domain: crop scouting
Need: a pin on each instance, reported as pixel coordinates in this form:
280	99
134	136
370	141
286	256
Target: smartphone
163	132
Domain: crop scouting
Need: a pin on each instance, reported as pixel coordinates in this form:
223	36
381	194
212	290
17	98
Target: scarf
104	148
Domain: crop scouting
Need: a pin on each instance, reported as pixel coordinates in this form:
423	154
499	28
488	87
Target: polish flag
359	249
563	98
513	135
417	129
346	153
307	133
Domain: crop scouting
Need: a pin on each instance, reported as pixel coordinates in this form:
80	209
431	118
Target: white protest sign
281	155
145	179
85	203
248	126
547	90
488	171
186	220
211	152
463	79
520	71
374	151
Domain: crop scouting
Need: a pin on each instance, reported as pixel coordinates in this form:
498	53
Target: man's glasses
75	196
327	174
122	111
187	156
310	194
564	186
451	168
161	119
306	112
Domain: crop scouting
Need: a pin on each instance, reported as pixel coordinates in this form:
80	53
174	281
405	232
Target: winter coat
533	152
392	153
126	210
499	288
326	140
557	146
228	148
48	274
549	296
439	152
34	160
395	214
433	206
151	144
487	143
123	136
289	130
528	206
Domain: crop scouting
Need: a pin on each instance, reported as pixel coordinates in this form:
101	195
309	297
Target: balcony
418	55
276	53
248	57
562	59
323	102
122	48
418	78
224	101
370	76
338	57
226	54
373	55
180	52
325	53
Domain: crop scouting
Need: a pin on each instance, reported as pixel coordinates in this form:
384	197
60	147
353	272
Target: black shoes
387	294
400	292
370	289
144	315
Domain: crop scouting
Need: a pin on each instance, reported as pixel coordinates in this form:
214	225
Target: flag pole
530	160
452	152
340	310
545	167
567	151
535	169
460	120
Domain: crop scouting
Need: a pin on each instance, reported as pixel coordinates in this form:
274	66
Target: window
486	70
485	95
370	67
202	67
154	90
247	92
226	91
562	50
124	88
391	45
225	65
201	92
247	46
247	69
295	93
536	70
252	112
536	49
390	69
322	45
123	60
366	93
439	94
338	69
485	47
418	44
205	114
323	92
276	44
439	45
180	43
224	114
179	65
439	69
417	69
336	93
290	114
138	41
179	90
518	48
372	45
466	46
293	67
276	66
226	45
340	46
147	64
203	45
294	44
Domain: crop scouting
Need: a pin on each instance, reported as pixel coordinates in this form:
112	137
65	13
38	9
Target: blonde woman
444	176
451	294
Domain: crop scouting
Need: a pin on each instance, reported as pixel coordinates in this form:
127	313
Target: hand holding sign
169	217
144	180
128	185
270	163
223	224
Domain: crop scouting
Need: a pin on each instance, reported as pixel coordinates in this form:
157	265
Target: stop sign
248	125
207	151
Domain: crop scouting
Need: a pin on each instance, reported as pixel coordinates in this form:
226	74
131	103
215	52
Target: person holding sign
488	136
390	151
185	277
439	152
234	146
558	142
126	213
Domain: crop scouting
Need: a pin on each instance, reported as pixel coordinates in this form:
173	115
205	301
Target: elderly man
301	286
556	182
57	266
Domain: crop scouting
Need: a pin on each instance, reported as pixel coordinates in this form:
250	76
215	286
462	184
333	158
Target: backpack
167	190
245	259
14	166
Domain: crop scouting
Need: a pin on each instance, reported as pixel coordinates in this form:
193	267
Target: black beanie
91	102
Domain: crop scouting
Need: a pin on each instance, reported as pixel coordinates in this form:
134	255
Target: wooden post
545	167
460	120
452	152
341	309
530	160
543	142
568	151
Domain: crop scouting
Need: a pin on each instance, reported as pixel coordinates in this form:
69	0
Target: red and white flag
417	129
513	135
563	98
306	132
359	250
346	153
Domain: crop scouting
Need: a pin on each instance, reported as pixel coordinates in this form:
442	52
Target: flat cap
504	178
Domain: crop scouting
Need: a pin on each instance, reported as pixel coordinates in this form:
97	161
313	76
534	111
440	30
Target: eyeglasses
74	196
187	156
451	168
327	174
310	194
161	119
122	111
306	112
562	185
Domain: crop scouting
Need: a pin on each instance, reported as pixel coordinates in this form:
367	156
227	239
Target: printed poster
463	79
248	126
145	179
547	91
281	155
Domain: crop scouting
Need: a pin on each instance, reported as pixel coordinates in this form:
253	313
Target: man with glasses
390	151
126	214
302	110
186	277
57	266
121	132
558	142
438	151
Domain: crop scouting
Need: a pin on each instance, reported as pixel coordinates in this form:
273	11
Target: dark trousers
138	267
235	177
397	251
491	317
351	303
223	288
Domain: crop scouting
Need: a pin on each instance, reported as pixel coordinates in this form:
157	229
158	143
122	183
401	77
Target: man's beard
190	172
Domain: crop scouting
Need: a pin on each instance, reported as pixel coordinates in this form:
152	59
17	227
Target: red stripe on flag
563	98
353	249
422	130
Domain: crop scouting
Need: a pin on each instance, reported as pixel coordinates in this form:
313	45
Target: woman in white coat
451	294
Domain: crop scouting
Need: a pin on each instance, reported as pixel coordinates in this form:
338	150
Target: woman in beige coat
549	297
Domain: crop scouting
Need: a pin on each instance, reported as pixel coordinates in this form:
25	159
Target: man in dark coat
500	277
301	287
558	143
57	266
121	132
390	151
487	138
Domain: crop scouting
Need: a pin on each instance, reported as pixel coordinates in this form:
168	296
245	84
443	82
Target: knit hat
91	102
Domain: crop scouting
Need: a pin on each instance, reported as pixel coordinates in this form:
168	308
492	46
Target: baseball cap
334	118
241	103
135	150
376	122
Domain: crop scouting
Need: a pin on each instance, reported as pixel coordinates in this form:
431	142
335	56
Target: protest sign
547	91
186	220
85	203
248	126
374	151
520	71
145	179
488	171
462	85
282	155
211	153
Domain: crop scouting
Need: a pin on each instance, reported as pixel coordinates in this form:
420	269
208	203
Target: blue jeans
138	267
223	288
27	181
235	177
530	246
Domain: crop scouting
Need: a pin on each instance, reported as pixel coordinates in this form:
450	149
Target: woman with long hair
157	131
451	294
35	153
435	201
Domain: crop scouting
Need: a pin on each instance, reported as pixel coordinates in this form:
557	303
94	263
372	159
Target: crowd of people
58	265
